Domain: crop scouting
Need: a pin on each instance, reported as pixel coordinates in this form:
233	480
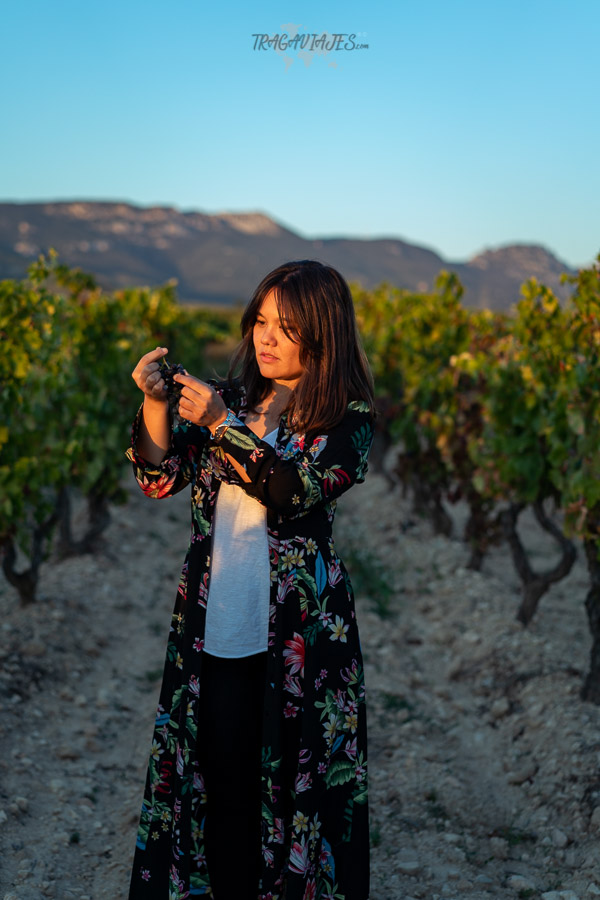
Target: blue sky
462	126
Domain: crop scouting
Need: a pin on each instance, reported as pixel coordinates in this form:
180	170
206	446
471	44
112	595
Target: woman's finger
190	381
193	394
153	355
150	357
151	374
146	366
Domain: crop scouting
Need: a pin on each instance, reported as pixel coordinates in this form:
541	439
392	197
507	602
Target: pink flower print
325	618
203	590
293	686
299	862
350	749
272	791
322	768
310	891
304	756
276	831
323	673
175	879
199	782
318	683
257	453
273	548
290	710
145	874
194	686
303	782
334	572
284	587
295	654
340	699
198	644
350	675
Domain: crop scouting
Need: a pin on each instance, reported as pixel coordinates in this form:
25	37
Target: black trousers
229	748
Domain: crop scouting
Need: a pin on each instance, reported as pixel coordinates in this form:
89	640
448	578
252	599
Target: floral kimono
314	828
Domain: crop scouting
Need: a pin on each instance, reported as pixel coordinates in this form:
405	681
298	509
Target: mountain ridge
221	257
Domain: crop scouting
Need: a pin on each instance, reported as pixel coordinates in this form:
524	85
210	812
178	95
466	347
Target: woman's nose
268	335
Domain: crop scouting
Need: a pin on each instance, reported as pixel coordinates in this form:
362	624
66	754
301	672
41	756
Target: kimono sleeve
177	469
316	475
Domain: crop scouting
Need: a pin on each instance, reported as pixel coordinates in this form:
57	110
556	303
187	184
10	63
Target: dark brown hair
315	300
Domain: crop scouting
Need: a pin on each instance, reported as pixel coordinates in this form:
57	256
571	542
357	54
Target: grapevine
66	401
499	411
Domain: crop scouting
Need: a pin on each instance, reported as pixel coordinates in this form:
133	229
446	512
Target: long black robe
315	837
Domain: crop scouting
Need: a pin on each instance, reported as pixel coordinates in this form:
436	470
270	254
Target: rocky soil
484	762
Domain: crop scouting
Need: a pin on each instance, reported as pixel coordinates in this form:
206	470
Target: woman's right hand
147	375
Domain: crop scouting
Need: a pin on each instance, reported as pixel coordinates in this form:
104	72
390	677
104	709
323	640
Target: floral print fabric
315	839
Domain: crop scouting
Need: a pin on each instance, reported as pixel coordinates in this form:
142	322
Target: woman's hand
199	403
147	375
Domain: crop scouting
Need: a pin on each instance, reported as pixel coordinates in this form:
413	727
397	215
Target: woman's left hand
199	403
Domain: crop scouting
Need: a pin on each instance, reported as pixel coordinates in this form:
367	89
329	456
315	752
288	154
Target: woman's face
277	356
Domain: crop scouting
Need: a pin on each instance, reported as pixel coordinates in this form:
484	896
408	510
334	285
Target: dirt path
484	763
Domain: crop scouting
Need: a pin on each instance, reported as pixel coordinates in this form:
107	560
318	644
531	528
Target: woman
257	780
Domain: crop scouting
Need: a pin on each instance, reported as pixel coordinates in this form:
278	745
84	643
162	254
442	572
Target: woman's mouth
267	357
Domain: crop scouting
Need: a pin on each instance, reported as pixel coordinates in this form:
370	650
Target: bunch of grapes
168	370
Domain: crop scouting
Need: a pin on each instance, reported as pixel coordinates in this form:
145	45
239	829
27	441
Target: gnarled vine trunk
591	686
26	582
98	520
535	584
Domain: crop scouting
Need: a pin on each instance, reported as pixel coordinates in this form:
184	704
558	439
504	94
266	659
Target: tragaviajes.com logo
291	43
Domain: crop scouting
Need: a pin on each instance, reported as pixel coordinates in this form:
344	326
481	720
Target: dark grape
168	370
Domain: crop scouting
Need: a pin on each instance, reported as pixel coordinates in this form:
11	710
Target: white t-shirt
237	608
